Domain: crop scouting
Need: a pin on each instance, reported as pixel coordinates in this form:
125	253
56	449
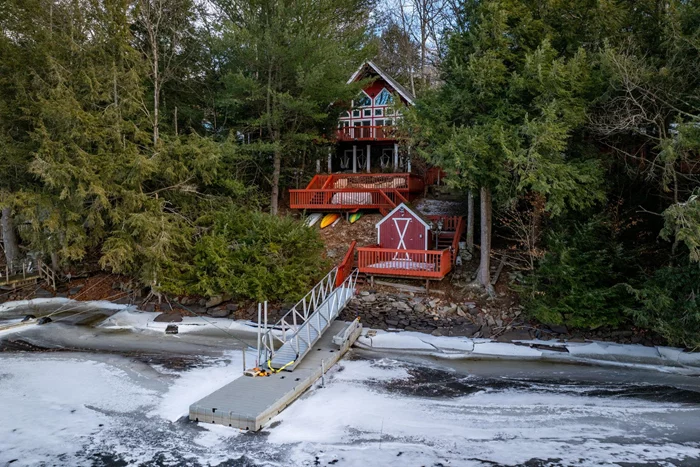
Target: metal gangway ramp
303	325
249	402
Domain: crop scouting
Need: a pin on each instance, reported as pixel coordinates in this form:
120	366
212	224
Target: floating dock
249	402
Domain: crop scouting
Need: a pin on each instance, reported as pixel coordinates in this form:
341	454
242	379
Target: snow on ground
35	302
51	403
143	321
360	425
196	383
660	358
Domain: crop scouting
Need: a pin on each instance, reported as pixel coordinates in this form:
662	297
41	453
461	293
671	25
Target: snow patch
197	383
34	302
503	349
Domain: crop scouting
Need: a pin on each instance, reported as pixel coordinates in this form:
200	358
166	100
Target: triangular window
362	100
384	98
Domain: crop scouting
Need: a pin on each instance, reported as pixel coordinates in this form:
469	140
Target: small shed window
368	112
378	112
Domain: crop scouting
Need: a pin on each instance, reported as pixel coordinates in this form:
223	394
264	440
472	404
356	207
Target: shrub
251	255
580	280
669	304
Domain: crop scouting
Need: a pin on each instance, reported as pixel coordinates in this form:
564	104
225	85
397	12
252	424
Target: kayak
328	219
312	219
354	217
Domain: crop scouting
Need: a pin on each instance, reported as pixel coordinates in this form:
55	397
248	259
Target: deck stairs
26	271
283	345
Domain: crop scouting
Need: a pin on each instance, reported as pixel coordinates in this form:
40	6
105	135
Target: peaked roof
410	98
417	214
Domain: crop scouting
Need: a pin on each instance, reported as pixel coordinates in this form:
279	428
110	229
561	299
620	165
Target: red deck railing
425	264
345	266
347	192
366	133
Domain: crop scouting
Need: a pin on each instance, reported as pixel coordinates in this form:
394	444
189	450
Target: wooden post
354	158
408	161
470	222
396	157
330	165
369	152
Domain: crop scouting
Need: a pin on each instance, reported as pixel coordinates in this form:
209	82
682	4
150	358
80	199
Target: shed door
404	233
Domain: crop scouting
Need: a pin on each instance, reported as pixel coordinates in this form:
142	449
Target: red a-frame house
367	167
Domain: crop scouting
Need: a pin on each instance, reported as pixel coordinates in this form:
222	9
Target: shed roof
410	98
417	214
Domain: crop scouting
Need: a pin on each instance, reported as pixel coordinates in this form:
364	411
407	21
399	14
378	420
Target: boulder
168	318
558	328
214	301
220	312
419	308
369	298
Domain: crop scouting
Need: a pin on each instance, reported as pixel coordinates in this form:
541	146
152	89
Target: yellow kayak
329	219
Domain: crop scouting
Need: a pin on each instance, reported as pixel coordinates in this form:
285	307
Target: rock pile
424	314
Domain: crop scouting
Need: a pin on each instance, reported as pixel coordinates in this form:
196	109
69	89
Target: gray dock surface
248	403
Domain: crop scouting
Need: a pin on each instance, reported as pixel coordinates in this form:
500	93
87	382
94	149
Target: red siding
392	227
376	87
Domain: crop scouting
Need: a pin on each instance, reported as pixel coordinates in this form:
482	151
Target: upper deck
351	192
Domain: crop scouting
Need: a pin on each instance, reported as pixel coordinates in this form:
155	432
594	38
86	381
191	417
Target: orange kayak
329	219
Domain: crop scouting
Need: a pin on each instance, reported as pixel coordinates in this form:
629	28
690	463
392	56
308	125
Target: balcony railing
425	264
366	133
346	199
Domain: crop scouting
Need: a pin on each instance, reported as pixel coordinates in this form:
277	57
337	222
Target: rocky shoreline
431	314
440	317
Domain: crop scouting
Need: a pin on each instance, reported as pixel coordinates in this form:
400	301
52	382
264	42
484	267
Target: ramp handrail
296	324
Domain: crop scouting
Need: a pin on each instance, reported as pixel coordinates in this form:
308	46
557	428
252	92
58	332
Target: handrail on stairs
290	327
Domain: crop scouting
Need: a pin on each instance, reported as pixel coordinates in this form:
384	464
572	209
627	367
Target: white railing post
257	364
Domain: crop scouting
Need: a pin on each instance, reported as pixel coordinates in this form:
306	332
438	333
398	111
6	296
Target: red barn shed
404	229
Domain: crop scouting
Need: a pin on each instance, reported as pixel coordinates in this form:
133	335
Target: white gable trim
397	87
406	208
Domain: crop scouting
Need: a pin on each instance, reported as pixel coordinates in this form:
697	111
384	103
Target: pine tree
285	64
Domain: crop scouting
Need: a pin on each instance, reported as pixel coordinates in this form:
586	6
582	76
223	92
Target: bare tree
161	27
423	21
484	274
9	235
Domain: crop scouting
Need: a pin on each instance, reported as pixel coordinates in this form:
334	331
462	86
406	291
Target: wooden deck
248	403
352	192
416	264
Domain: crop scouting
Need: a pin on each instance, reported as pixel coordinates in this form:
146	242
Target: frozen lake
77	393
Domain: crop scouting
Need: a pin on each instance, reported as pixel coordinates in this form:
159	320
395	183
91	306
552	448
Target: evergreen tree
286	63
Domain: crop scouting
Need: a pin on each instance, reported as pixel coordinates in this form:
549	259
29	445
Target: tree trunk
277	163
470	222
484	276
9	236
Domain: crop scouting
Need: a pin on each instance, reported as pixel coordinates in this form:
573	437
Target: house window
383	98
362	100
345	115
390	111
378	112
388	122
379	122
368	112
355	113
